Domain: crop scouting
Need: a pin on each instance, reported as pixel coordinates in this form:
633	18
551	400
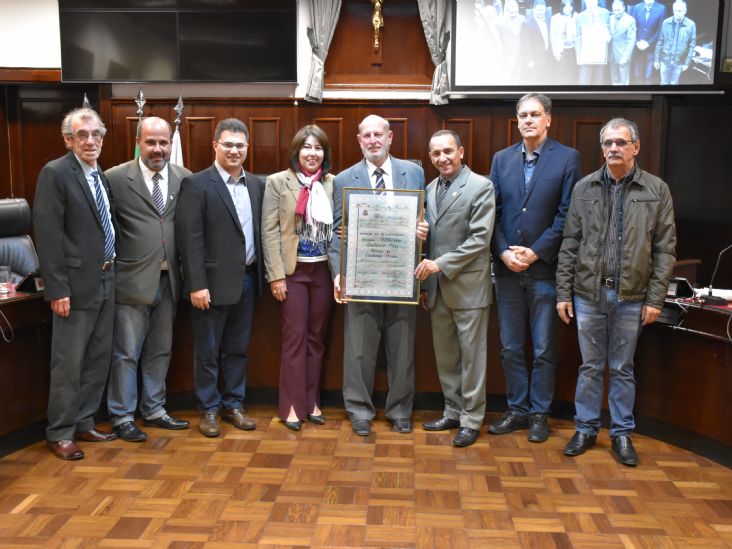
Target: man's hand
513	261
337	289
566	311
61	307
423	229
656	65
641	45
279	289
649	314
426	268
524	254
201	299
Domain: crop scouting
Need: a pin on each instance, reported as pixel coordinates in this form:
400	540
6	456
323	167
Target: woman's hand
279	289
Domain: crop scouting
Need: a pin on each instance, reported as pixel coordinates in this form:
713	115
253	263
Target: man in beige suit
148	282
461	208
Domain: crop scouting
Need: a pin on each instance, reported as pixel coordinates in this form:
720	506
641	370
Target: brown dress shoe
92	435
238	419
209	425
65	449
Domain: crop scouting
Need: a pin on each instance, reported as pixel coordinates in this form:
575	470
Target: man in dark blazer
536	54
461	206
365	322
533	181
148	282
72	223
217	229
649	16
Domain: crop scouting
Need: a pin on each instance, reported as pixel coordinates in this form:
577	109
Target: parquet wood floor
327	487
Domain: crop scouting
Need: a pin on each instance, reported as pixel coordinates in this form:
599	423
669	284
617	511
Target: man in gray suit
148	282
365	322
461	206
622	44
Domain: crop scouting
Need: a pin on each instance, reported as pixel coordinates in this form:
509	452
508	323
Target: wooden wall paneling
197	134
586	139
464	128
265	143
400	140
6	175
333	128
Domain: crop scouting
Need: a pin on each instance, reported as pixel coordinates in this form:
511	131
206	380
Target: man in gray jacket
614	267
148	282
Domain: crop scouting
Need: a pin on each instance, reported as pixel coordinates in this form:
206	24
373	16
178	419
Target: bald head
374	138
154	142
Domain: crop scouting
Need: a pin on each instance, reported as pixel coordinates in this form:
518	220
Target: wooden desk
24	370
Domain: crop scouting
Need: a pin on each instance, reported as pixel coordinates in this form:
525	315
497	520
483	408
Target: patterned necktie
104	217
157	194
380	185
441	192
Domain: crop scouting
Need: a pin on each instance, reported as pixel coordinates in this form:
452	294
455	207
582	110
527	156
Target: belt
107	265
607	281
251	267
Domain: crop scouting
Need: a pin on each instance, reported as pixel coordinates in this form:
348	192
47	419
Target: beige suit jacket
279	241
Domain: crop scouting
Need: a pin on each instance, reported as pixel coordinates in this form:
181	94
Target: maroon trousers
304	320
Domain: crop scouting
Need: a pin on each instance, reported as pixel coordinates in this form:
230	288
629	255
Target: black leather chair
16	246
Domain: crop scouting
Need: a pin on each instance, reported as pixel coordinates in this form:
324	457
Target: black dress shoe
465	437
402	425
442	424
509	422
579	444
623	451
362	427
538	428
318	420
166	422
129	432
293	425
92	435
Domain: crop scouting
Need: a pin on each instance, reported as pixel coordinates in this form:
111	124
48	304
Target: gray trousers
365	323
460	339
81	349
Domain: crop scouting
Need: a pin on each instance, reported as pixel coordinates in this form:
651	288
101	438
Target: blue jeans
224	330
143	335
670	73
608	331
521	297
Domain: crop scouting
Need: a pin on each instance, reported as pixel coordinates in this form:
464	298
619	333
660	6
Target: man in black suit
217	228
75	238
148	282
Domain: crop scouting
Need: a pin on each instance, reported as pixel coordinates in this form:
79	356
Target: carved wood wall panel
198	134
333	128
464	128
265	145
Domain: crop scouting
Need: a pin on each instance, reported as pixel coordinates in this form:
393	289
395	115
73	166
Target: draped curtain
433	14
324	16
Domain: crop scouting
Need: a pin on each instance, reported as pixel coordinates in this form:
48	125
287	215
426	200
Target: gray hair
540	97
233	125
83	113
621	123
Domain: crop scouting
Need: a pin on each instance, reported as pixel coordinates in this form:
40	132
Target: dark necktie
441	192
157	194
380	185
104	217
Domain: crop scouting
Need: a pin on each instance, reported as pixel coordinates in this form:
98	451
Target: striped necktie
157	194
380	185
104	217
442	186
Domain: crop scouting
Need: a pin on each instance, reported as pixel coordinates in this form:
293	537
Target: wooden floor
326	487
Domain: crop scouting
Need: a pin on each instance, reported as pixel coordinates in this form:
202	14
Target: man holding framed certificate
365	321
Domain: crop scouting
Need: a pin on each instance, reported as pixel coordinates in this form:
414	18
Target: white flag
176	151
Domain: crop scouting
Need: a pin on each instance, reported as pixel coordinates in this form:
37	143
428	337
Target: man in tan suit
147	284
461	208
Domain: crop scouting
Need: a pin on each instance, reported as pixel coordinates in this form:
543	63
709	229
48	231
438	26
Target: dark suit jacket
210	238
533	218
649	30
142	240
534	51
68	231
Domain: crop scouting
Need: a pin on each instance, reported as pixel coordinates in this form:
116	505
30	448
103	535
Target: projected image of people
584	43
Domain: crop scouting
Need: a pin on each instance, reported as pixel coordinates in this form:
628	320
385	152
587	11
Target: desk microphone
710	299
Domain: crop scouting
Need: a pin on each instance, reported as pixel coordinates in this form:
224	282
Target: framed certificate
380	248
594	43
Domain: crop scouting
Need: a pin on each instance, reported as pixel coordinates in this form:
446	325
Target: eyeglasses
83	135
619	142
238	146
